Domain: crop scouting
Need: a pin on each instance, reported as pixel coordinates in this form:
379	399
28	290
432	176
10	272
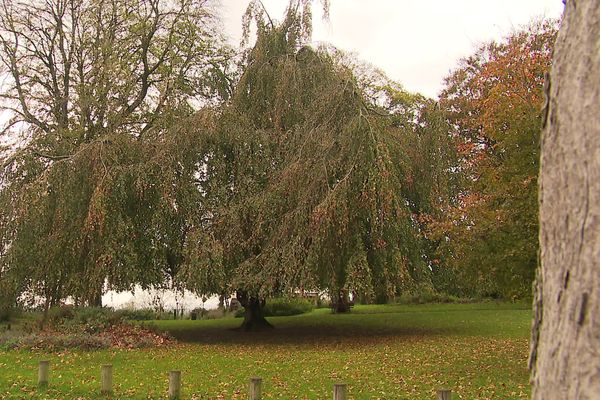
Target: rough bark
565	354
254	316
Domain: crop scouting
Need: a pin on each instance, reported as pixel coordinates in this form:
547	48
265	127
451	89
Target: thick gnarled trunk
565	355
254	316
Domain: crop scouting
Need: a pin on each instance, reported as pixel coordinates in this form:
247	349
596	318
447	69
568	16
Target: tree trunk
44	320
254	316
94	292
223	301
565	355
341	302
95	300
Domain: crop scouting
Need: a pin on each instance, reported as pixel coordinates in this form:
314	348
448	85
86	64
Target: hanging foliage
93	194
309	192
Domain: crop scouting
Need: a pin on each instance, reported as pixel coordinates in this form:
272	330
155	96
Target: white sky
416	42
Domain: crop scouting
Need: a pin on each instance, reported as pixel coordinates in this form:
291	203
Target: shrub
55	342
239	313
85	328
215	313
280	307
9	304
7	313
117	336
144	314
96	319
57	315
86	319
429	297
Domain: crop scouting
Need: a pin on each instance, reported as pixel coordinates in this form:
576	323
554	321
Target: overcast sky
416	42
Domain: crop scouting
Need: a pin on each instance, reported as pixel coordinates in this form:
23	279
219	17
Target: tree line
153	154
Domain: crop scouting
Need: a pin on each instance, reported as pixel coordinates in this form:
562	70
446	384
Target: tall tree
488	238
83	68
309	194
92	85
565	337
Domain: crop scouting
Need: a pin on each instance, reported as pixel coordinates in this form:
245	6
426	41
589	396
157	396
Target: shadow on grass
303	335
367	324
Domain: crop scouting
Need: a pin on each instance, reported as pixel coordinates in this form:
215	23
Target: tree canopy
309	193
488	238
92	88
150	158
293	183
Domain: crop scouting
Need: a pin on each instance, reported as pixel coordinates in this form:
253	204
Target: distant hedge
282	306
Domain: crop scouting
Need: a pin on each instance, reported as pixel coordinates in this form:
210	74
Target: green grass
383	352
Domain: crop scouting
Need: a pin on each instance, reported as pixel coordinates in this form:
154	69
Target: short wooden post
340	391
255	388
107	379
444	394
43	372
174	385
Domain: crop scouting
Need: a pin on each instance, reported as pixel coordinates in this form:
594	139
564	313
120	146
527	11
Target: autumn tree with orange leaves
487	240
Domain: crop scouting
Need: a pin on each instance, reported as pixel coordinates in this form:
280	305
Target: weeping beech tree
302	171
114	216
299	182
97	190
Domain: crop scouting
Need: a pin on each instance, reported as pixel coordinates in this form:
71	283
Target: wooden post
340	391
43	372
107	379
255	388
444	394
174	385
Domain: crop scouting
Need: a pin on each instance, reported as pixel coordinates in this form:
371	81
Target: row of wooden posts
340	390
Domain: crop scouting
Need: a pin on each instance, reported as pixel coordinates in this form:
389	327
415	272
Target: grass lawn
382	352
